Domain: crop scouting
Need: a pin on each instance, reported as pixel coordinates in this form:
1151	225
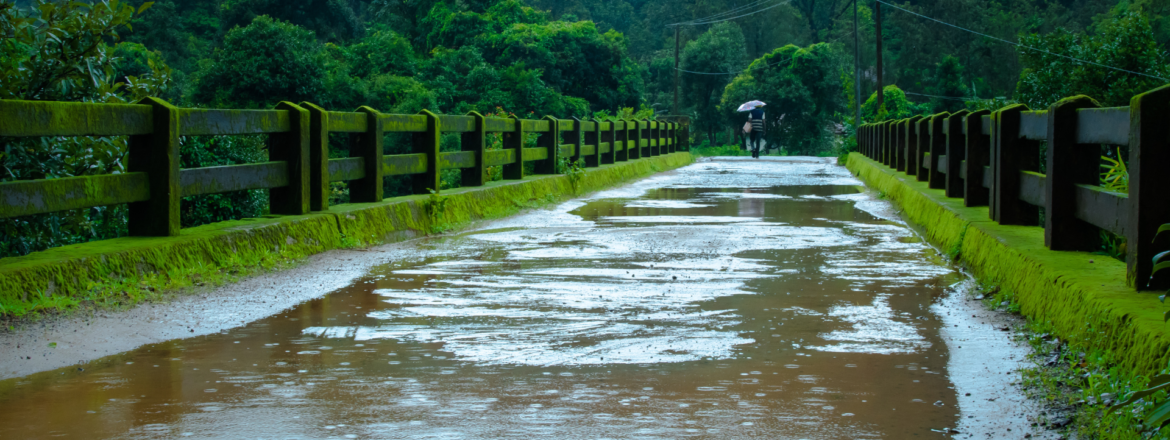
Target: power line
953	98
697	23
731	11
735	73
831	40
1018	44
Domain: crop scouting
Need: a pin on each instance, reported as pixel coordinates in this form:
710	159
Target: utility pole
856	70
877	7
674	109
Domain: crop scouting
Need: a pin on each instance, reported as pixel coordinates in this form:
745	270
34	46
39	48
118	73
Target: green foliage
263	63
59	51
575	171
802	88
894	106
1158	415
1126	42
1114	175
720	49
209	151
436	209
330	19
949	81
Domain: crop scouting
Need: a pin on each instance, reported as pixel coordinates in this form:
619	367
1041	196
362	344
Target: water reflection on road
729	299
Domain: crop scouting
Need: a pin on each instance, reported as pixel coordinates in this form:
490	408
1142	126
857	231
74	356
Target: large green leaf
1158	383
1161	229
1159	415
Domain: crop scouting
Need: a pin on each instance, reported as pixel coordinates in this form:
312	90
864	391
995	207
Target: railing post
674	143
869	147
515	141
863	140
593	137
669	137
888	143
368	146
157	154
1149	183
871	141
1011	154
293	148
938	147
633	138
659	139
1069	163
474	141
922	127
910	145
550	142
621	136
978	150
956	151
576	138
318	157
608	136
648	136
427	143
900	144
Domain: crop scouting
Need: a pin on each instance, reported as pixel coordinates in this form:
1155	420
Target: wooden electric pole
674	109
856	70
877	7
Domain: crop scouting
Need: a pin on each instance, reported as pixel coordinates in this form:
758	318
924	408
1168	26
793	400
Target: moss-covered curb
96	271
1082	295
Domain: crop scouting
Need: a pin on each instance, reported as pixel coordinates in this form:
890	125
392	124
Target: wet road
730	299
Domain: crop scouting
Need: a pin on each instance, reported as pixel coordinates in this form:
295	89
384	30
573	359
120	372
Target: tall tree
717	51
949	81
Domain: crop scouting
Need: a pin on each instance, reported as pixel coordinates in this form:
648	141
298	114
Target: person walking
756	118
754	127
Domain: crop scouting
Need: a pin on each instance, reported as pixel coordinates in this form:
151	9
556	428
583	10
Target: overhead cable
1018	44
953	98
697	22
831	40
741	71
731	11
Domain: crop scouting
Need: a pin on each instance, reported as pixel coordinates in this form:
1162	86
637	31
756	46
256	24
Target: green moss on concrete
127	270
1083	297
28	197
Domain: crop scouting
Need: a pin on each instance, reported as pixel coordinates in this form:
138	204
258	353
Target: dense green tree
330	19
261	64
719	50
949	81
57	51
1126	42
802	89
894	106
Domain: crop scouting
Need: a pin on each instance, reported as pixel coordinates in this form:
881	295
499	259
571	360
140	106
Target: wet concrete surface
730	299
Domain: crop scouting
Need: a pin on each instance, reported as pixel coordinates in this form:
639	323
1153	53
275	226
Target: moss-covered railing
993	159
299	171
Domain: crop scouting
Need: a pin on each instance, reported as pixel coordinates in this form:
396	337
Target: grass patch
1075	383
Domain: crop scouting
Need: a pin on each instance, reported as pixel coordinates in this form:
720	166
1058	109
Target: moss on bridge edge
124	271
1083	296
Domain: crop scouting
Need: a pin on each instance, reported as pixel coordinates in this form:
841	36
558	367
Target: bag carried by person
747	127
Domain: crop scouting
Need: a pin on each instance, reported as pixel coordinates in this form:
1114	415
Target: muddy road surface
733	298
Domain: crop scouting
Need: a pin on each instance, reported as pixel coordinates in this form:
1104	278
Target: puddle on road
725	300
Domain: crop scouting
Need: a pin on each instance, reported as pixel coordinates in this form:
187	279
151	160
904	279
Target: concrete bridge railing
994	159
299	171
